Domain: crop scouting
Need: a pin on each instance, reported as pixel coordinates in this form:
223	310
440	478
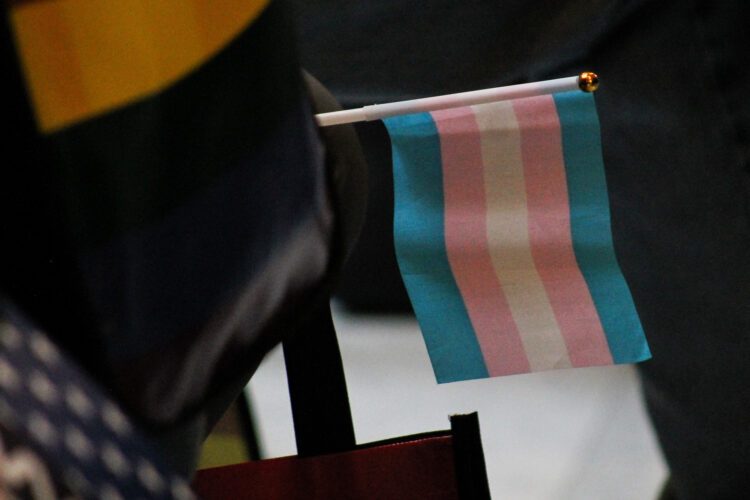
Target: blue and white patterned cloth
60	434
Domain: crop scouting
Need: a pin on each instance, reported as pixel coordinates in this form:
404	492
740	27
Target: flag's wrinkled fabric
503	238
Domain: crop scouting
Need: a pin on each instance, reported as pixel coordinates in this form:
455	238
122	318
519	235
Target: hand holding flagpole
587	82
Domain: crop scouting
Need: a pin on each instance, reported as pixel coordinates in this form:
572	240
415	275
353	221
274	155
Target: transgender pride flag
503	239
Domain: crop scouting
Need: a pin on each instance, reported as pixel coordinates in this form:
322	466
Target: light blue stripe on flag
590	225
419	237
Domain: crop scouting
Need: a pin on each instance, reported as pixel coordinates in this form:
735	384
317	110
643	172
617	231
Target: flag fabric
503	239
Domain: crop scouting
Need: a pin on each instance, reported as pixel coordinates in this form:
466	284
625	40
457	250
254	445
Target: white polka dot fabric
67	426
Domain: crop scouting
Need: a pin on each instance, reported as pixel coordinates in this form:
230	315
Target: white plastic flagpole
587	82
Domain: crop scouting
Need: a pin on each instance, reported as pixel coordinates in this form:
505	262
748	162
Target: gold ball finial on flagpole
588	81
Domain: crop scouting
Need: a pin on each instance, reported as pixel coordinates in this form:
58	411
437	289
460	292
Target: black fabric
155	220
680	202
167	245
165	149
35	271
346	175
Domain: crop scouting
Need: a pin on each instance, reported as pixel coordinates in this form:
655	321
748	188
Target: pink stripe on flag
550	233
508	237
466	243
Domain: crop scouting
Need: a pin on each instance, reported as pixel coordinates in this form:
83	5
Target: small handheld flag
503	239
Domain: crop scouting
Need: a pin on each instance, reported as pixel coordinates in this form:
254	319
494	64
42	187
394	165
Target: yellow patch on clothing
85	57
